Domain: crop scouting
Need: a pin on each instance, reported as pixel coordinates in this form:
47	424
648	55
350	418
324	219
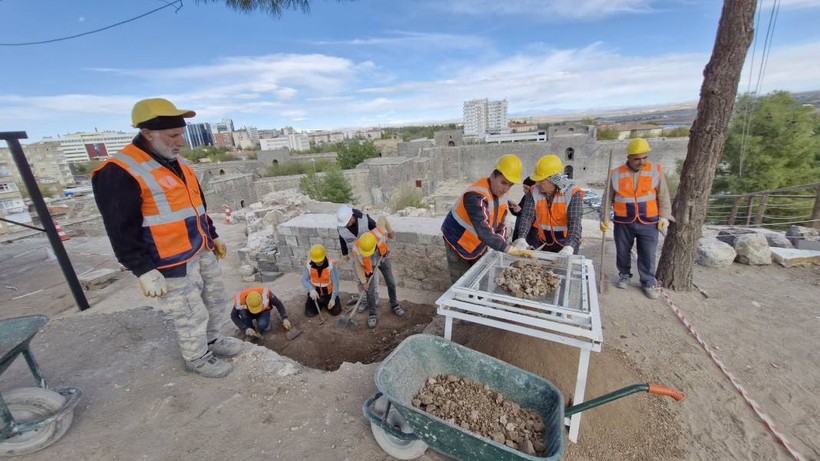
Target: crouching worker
320	278
253	305
370	253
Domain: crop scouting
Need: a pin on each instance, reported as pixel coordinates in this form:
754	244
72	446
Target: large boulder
753	249
731	234
714	253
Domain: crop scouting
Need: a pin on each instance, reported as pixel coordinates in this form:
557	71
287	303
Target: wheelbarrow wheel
393	446
29	404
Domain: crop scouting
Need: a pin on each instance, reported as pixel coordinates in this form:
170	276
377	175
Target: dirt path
139	404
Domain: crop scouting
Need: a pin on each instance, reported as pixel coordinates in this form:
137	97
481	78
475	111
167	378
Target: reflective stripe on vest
321	281
457	228
361	229
175	225
381	247
239	301
636	202
552	222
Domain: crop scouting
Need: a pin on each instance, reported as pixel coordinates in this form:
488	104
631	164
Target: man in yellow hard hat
641	205
552	211
321	280
370	253
251	311
156	218
477	219
352	223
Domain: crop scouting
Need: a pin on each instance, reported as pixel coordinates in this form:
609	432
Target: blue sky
372	62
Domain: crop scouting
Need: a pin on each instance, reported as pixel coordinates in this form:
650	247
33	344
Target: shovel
347	320
292	333
321	317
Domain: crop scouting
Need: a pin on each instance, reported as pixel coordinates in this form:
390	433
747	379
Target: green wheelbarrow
32	417
405	432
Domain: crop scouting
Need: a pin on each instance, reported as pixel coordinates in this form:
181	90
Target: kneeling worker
319	278
370	253
254	304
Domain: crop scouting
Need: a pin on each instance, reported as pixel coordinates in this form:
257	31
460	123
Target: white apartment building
293	142
225	126
482	117
280	142
47	163
11	200
84	147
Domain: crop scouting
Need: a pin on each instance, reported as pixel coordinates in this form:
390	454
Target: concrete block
98	278
267	266
291	241
269	276
307	232
285	230
806	244
788	257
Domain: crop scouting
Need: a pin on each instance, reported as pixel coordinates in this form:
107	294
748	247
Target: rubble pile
528	280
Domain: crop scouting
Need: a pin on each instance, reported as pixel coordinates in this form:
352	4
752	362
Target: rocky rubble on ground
529	280
721	246
481	410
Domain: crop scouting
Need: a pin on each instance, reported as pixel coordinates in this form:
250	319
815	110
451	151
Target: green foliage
299	167
679	132
406	196
407	133
214	154
607	134
589	121
81	168
350	154
330	187
782	146
273	8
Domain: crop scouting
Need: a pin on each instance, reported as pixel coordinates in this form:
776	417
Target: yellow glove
286	324
220	250
521	253
153	284
604	227
663	225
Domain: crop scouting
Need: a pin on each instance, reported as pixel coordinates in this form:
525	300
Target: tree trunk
706	140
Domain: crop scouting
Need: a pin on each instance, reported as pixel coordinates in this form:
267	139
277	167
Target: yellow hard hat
547	166
637	146
367	244
148	109
317	253
254	302
510	166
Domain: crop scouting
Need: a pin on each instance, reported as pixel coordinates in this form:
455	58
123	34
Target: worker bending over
369	253
253	305
320	279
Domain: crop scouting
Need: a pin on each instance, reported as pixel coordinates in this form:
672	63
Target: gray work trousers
389	280
198	304
646	236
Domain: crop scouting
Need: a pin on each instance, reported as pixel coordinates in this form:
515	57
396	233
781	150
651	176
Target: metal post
12	139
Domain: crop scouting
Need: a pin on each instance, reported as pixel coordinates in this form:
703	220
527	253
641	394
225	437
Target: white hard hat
343	215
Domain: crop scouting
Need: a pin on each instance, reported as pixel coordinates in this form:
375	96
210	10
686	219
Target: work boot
209	366
623	281
372	321
398	310
652	292
226	347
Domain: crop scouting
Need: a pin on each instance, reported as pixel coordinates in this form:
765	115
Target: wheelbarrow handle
623	392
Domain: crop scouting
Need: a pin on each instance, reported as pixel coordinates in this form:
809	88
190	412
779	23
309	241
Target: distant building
223	140
48	163
273	143
225	126
12	206
245	139
482	117
527	136
198	135
83	147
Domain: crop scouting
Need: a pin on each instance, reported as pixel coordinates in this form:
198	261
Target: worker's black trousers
323	301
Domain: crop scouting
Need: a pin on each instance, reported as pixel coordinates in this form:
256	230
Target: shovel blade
346	322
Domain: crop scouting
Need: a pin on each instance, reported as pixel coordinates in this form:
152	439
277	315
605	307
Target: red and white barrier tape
767	420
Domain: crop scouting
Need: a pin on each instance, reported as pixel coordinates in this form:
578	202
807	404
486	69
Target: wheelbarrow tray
404	372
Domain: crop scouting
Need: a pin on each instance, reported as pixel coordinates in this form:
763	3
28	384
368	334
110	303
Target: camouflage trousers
198	304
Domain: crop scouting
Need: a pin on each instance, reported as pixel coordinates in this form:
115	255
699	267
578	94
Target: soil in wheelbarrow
326	346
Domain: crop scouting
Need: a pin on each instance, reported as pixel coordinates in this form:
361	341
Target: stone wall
417	253
359	179
232	190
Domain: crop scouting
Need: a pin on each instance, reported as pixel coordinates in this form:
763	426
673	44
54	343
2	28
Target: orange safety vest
552	222
457	228
381	250
636	202
174	222
239	301
321	281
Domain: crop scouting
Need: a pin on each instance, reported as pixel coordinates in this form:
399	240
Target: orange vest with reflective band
321	282
636	202
381	250
457	228
552	221
239	300
174	223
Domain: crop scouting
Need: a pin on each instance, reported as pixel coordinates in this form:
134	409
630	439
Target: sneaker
398	310
623	281
652	292
209	366
372	321
227	347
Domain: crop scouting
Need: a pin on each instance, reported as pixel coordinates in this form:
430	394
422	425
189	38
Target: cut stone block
788	257
98	278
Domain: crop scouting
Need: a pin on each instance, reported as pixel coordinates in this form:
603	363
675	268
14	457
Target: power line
97	30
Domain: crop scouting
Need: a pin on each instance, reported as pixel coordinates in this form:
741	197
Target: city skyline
368	63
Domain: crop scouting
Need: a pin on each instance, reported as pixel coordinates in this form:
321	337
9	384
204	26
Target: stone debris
528	280
483	411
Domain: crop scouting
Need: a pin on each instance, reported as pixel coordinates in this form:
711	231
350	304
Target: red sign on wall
96	151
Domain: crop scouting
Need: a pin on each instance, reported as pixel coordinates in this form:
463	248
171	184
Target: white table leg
580	387
448	327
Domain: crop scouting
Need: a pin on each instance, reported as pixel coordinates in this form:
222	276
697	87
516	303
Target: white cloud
555	9
413	39
795	4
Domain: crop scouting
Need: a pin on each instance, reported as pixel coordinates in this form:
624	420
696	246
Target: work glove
286	324
521	244
153	284
663	225
251	333
521	253
391	235
220	250
604	227
331	303
314	295
567	251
